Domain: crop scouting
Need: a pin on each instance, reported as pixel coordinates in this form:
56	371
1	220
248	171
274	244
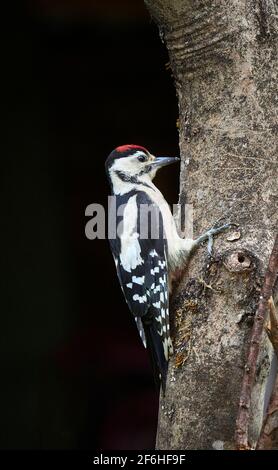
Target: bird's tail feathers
157	355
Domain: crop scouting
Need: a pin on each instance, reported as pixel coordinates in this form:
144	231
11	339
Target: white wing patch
153	253
138	280
156	304
130	254
140	299
155	270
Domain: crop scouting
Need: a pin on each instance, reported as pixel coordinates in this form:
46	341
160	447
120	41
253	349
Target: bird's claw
214	231
210	245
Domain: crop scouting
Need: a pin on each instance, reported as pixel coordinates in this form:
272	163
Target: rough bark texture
223	55
243	417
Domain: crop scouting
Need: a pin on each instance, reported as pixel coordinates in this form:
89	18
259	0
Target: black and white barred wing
159	298
133	286
142	270
146	291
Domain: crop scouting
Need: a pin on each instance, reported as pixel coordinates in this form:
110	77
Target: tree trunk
223	55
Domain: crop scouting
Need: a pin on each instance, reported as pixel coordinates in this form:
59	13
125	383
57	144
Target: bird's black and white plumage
141	261
144	257
142	269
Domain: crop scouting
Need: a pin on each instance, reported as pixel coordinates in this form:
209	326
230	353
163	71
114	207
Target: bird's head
134	164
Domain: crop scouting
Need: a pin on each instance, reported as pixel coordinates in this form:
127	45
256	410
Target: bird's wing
142	270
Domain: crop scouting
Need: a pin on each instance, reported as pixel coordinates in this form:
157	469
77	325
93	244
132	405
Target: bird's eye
142	158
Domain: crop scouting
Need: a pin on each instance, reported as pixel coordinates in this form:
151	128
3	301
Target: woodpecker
145	264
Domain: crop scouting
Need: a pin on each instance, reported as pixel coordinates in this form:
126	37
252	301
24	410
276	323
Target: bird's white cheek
152	173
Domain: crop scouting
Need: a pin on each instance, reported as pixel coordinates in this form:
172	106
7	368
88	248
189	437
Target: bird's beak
163	161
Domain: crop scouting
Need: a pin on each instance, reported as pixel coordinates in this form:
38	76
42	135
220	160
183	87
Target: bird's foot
211	233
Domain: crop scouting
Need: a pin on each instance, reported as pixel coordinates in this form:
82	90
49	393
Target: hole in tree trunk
241	258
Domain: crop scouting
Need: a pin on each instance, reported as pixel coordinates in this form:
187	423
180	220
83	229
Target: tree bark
223	55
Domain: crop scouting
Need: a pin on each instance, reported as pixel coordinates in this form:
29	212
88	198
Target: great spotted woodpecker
145	261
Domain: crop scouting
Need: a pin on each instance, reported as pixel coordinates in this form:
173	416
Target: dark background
78	79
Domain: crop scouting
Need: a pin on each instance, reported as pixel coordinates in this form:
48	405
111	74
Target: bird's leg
188	246
209	236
